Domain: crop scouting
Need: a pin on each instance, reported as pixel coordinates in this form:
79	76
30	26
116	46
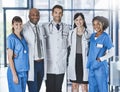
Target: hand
14	55
96	64
15	79
98	59
39	60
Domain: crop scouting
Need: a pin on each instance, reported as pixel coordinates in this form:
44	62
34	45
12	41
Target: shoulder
39	26
11	36
26	25
88	31
93	34
73	30
66	25
107	36
45	24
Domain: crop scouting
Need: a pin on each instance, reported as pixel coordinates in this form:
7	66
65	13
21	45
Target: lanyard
25	51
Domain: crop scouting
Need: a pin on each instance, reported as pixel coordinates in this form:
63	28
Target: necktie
38	43
57	26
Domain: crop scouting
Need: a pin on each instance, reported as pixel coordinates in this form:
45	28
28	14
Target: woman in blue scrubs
101	48
18	58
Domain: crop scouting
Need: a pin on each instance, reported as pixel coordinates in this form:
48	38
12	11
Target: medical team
37	52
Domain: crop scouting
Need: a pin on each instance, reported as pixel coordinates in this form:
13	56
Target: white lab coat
30	38
57	43
72	56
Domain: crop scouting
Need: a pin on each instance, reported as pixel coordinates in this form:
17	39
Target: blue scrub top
98	47
20	49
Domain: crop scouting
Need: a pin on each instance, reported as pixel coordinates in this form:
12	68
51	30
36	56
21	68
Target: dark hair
57	6
103	20
80	14
16	19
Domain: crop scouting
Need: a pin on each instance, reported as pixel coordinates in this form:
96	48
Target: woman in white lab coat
79	38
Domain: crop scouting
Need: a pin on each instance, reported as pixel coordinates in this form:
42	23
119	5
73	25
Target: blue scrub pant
34	86
98	80
22	80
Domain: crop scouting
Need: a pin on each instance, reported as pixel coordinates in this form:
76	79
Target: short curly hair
103	20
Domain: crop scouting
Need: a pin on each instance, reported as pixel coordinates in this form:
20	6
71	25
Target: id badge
99	45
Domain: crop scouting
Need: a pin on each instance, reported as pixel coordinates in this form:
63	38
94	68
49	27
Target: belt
39	60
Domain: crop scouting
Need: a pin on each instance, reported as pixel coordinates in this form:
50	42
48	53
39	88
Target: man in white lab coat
56	47
36	43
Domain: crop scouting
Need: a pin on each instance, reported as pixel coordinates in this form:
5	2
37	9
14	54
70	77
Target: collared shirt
57	42
35	42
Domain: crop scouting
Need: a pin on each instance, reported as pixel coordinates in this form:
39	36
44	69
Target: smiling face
57	15
17	26
79	22
97	25
34	16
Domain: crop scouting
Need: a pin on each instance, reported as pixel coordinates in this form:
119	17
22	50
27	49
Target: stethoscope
25	51
85	31
50	27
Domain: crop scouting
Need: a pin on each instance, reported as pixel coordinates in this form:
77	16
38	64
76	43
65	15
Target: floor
4	86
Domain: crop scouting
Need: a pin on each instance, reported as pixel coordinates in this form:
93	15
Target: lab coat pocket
49	40
65	41
96	64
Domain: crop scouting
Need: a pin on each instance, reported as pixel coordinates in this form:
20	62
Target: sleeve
108	54
43	31
10	43
66	33
70	38
110	49
108	42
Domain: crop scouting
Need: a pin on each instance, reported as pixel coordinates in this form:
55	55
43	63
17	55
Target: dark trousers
34	86
54	82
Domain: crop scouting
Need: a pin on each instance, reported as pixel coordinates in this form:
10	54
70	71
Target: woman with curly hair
100	49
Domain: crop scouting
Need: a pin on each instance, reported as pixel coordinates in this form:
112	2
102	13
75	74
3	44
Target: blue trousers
22	80
34	86
98	80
